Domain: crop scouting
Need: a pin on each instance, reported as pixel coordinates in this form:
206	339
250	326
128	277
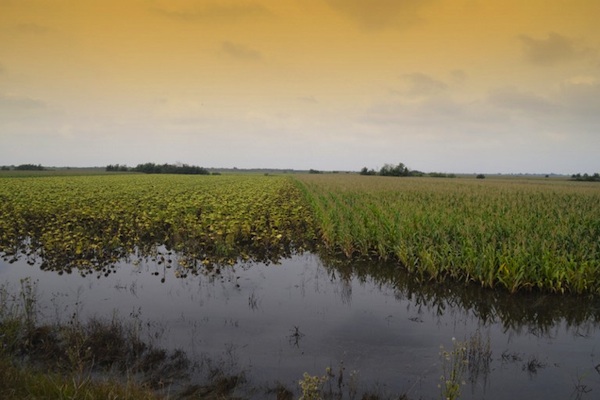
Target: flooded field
384	332
473	289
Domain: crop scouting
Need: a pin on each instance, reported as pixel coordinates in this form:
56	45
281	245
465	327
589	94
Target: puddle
277	321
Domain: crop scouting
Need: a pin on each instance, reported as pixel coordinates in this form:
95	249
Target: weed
454	365
312	386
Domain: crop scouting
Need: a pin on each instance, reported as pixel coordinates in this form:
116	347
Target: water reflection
278	320
519	313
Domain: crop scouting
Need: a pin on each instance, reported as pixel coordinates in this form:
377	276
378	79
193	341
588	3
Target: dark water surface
275	322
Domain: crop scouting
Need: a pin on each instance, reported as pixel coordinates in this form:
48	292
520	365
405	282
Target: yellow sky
334	84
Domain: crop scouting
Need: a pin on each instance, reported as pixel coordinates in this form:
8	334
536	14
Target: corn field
510	234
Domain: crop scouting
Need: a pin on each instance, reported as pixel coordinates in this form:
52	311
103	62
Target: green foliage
29	167
586	178
515	235
397	170
151	168
312	386
366	171
480	176
391	170
441	175
117	168
91	222
28	383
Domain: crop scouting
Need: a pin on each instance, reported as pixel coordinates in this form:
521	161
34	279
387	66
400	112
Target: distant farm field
510	234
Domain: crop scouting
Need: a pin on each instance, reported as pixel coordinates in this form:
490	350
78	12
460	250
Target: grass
98	359
30	383
518	235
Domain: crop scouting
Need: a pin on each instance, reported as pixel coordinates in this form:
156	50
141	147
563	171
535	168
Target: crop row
517	235
91	222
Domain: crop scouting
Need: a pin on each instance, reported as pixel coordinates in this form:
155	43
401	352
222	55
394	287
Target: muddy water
275	322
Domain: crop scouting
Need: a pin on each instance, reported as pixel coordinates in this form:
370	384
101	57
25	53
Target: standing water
383	332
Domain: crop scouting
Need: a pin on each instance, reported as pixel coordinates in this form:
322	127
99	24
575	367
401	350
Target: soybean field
88	223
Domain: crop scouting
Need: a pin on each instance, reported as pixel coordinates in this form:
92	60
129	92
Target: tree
391	170
30	167
151	168
365	171
586	177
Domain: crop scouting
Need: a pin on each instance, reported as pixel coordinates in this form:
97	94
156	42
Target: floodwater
276	321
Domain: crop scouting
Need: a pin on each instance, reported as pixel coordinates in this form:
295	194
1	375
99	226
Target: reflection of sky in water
250	314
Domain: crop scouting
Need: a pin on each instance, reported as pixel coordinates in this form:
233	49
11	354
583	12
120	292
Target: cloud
581	97
458	76
430	112
515	99
8	102
419	84
14	108
215	12
380	14
552	50
576	103
308	99
240	51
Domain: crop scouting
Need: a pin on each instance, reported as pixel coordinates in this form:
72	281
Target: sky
464	86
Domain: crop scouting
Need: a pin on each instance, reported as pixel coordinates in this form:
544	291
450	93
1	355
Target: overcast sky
441	85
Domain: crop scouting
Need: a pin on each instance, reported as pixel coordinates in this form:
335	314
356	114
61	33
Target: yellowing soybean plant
89	223
516	235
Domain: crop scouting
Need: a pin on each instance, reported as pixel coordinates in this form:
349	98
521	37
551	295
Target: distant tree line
402	170
151	168
117	167
388	170
29	167
440	175
586	178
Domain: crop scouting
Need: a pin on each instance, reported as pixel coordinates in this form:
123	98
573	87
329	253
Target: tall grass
516	235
